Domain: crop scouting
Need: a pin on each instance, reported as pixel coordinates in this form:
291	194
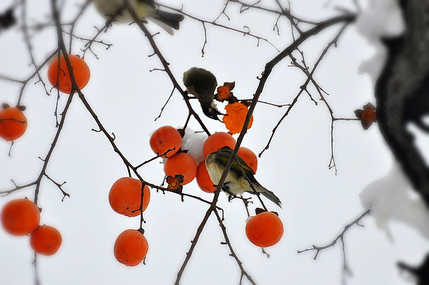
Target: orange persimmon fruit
130	247
46	240
126	194
203	178
265	229
216	141
13	123
166	138
20	217
235	116
249	157
59	76
181	163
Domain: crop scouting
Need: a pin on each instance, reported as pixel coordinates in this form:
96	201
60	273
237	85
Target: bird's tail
167	20
269	194
171	19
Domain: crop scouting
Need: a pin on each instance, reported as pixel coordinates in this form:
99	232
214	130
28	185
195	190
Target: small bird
235	182
202	84
145	9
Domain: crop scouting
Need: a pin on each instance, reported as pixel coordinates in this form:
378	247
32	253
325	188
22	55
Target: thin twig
340	237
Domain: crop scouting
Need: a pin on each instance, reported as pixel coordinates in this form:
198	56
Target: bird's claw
231	197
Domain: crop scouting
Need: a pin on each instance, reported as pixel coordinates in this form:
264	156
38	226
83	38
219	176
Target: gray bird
202	84
235	182
145	9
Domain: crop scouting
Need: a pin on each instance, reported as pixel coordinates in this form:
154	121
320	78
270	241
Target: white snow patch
391	198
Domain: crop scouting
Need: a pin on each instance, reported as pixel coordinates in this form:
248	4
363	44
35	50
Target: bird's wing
202	81
223	157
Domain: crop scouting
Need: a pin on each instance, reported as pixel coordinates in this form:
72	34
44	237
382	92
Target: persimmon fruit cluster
59	74
167	141
21	217
129	197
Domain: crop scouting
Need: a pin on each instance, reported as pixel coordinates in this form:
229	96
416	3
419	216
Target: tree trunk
402	92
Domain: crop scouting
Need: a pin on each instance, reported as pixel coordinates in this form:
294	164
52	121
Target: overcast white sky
127	97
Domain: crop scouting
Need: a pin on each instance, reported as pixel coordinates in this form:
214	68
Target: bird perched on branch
145	10
235	182
202	84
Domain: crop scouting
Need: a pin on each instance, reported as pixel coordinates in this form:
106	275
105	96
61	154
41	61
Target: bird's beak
212	113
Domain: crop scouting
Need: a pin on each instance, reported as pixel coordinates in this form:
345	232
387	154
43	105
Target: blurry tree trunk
402	92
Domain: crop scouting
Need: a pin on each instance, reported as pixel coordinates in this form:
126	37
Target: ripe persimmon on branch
69	73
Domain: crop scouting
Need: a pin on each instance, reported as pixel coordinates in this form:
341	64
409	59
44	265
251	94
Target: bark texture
402	92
